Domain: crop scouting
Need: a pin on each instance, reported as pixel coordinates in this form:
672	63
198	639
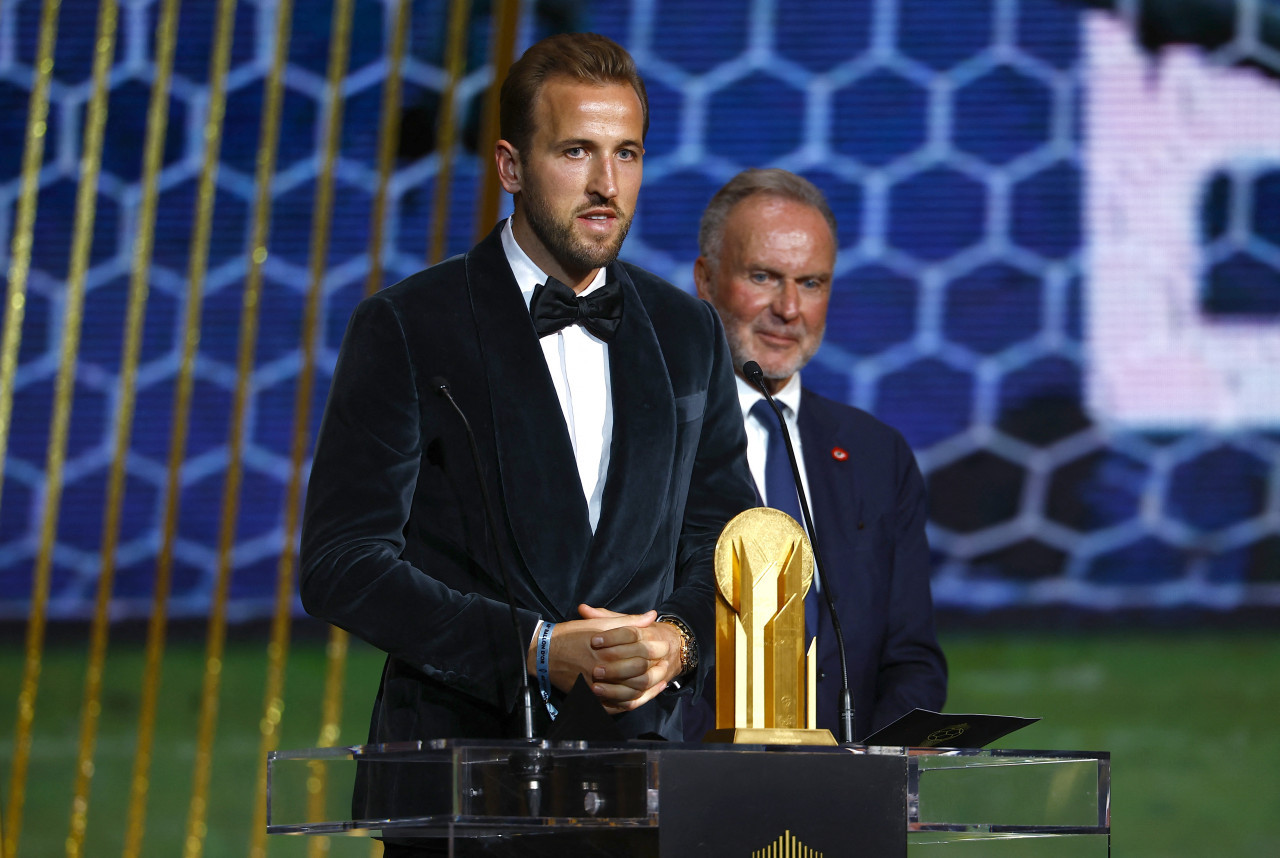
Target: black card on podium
921	728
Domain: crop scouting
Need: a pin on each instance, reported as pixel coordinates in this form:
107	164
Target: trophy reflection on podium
766	680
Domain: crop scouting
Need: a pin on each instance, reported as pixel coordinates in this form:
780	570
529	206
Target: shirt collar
749	394
528	275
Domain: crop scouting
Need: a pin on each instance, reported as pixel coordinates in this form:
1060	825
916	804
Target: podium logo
786	846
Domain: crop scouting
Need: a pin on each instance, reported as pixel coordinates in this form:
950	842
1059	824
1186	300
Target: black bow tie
554	306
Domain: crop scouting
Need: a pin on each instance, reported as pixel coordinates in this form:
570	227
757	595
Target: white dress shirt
579	365
758	433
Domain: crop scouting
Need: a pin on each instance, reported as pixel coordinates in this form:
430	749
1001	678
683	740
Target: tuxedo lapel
636	490
537	469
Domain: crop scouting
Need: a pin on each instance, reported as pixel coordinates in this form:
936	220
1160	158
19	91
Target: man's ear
702	277
508	160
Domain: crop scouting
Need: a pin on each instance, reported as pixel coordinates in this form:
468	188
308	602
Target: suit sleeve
361	491
720	487
913	670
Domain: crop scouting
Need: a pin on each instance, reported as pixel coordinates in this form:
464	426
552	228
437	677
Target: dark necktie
554	306
780	490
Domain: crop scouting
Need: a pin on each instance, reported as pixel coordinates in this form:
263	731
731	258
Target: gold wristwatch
688	643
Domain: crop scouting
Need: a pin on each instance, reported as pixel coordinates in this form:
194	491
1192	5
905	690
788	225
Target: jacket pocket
690	407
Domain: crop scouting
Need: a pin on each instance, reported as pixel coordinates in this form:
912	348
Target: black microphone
440	386
755	375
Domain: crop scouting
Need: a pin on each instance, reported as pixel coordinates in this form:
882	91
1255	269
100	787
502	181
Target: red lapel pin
839	454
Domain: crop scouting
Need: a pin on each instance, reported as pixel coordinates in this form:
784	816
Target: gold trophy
766	683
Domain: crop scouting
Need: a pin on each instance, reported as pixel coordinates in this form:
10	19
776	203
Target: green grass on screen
1189	719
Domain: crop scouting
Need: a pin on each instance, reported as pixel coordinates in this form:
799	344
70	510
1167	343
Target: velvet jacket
395	547
869	509
868	503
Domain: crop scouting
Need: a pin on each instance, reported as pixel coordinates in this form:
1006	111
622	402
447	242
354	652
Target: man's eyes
813	284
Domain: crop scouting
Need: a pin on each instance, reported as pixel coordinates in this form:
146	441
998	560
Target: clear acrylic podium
674	799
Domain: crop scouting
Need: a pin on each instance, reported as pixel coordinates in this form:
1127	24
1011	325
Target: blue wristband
544	670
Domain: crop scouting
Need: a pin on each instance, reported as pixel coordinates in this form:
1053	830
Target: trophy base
769	736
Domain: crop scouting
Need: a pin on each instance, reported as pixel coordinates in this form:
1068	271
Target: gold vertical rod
193	844
15	305
502	47
24	229
157	122
64	388
447	138
337	647
330	726
321	226
202	231
388	138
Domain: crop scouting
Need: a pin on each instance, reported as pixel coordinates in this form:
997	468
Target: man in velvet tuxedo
604	410
768	250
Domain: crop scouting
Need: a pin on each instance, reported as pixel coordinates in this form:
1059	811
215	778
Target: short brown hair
584	57
771	182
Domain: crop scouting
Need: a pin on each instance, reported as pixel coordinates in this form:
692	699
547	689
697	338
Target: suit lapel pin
839	454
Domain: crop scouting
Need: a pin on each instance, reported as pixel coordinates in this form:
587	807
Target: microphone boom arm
756	375
526	698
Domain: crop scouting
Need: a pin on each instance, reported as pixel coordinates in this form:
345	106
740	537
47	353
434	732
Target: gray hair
773	182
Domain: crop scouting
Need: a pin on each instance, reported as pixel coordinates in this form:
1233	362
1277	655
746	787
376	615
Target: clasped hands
627	658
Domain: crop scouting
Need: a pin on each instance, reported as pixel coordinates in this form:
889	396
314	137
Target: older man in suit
768	250
604	410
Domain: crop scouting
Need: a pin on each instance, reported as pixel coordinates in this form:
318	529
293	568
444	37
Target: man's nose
786	303
603	179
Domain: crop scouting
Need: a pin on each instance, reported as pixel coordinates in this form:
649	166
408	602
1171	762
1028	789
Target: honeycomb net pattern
949	138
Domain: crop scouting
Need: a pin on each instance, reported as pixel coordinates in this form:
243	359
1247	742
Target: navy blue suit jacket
868	501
